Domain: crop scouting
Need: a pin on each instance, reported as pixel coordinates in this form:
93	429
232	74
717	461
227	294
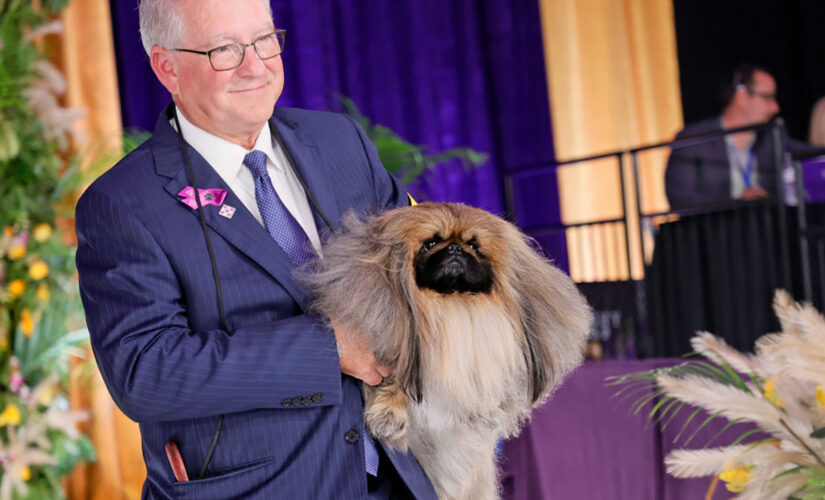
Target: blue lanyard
747	171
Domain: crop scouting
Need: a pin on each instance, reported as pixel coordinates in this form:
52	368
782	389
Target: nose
454	248
251	62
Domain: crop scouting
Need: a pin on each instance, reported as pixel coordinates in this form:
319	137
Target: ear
360	283
555	318
165	67
408	365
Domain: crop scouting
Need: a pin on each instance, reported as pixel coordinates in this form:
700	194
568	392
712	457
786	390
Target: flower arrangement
780	389
39	305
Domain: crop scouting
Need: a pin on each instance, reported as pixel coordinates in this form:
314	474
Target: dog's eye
429	244
473	243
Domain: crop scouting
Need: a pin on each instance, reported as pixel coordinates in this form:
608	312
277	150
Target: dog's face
451	248
453	262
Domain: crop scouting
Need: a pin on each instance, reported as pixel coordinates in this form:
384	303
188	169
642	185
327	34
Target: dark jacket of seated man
701	174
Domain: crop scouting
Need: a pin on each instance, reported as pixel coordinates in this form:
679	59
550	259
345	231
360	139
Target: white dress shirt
227	159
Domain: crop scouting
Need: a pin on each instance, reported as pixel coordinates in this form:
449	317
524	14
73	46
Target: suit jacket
292	421
700	174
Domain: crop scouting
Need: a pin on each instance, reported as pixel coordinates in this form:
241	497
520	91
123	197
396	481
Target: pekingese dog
476	326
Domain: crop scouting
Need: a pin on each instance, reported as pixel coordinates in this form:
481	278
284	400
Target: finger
383	370
373	378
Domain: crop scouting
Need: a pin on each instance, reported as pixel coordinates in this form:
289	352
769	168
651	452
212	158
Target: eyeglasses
231	56
764	95
768	96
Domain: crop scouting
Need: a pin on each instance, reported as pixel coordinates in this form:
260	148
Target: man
197	325
737	166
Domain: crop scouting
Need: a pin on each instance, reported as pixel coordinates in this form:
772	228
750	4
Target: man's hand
753	193
357	360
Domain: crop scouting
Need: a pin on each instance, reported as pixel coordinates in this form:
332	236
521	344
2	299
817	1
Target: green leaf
710	418
745	435
819	433
402	158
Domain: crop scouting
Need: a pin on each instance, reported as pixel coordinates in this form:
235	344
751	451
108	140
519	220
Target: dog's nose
454	248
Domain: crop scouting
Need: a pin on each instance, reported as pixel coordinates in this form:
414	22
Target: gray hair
161	23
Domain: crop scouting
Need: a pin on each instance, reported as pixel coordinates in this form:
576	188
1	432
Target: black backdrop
785	36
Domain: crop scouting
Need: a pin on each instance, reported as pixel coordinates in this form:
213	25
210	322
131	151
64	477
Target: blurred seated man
737	166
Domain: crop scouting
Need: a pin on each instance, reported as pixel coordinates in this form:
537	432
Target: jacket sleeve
683	175
158	368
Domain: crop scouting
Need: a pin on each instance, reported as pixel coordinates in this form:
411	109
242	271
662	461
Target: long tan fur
467	368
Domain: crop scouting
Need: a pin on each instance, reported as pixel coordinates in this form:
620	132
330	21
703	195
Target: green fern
406	160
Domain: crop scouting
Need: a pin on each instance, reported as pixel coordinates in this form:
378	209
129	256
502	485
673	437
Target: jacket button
306	401
317	398
286	402
352	436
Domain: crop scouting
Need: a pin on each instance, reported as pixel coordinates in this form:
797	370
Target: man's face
238	101
759	102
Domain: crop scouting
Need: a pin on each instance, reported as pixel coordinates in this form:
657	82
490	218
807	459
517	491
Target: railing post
778	158
802	225
627	237
641	311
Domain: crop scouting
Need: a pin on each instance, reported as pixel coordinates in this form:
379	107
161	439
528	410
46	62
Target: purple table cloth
586	444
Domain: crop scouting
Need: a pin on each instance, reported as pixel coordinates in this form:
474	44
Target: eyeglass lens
232	55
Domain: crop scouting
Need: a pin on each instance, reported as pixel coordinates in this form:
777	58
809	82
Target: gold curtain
84	53
613	81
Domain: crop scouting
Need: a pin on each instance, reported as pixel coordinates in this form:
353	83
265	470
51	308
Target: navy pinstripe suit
151	307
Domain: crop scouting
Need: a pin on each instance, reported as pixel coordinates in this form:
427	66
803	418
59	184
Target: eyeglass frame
243	46
764	95
753	93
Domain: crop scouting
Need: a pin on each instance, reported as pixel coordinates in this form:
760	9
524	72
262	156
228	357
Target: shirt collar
224	156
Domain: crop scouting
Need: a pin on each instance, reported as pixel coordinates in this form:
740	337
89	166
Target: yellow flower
41	232
46	396
25	473
8	232
43	293
4	343
10	416
38	270
16	288
736	478
26	322
770	394
820	395
17	252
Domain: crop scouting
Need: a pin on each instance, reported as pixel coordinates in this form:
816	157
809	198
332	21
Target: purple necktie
283	227
294	241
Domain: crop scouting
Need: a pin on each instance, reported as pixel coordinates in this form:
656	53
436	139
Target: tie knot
255	161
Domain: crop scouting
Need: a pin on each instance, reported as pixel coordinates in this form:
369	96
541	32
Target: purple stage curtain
442	74
585	443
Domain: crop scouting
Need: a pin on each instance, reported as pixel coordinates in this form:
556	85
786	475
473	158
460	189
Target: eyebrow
231	38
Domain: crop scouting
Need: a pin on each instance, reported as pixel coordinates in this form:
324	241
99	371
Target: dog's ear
555	317
360	283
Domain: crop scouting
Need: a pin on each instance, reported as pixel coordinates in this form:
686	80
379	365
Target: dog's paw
386	417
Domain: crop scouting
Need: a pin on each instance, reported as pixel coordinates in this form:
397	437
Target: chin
477	327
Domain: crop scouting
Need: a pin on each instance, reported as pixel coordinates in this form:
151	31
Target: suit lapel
242	230
306	159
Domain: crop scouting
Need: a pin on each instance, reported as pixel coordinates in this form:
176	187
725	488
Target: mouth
452	268
251	89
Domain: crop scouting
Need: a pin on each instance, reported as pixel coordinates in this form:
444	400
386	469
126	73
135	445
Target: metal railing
632	210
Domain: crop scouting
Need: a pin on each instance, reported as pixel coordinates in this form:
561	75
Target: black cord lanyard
215	274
